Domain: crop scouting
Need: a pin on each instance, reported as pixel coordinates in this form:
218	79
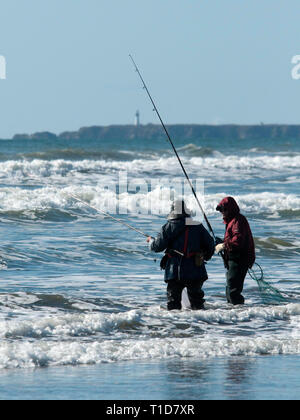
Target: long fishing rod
113	218
103	212
174	148
117	220
109	215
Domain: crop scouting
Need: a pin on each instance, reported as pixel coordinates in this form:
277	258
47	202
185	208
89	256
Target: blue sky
205	61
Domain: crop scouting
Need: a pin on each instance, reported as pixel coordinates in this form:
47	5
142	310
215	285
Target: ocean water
82	300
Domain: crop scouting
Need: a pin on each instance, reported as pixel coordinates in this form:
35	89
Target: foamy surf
95	338
47	353
248	165
157	201
196	348
79	289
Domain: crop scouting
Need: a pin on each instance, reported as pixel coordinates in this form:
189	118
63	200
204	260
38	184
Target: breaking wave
82	154
255	165
87	338
106	290
55	202
47	353
192	150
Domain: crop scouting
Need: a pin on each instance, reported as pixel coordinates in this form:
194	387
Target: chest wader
194	288
236	275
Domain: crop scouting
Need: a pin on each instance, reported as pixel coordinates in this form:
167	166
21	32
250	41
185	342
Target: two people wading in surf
197	246
188	246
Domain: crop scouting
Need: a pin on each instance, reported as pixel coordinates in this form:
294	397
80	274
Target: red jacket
238	239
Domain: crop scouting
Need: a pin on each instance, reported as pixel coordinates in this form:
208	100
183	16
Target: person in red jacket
238	249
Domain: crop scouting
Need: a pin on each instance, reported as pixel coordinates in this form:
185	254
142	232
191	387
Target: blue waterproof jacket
174	236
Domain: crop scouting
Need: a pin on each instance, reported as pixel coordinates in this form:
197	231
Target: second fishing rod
174	149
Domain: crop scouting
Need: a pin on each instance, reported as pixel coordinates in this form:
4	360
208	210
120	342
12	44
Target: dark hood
231	207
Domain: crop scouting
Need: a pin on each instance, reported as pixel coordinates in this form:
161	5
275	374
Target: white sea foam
156	202
249	163
63	340
38	331
22	169
70	325
88	324
47	353
97	181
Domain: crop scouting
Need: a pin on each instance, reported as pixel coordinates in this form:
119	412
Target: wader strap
186	241
185	248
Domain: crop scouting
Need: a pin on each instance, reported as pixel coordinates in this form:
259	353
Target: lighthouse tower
137	118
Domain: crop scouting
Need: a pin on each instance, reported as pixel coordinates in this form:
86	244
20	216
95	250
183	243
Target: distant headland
183	132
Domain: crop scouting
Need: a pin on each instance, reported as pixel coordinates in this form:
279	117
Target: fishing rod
103	212
109	215
117	220
174	149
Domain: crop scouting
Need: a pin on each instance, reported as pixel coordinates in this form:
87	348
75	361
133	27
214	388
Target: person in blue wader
187	246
